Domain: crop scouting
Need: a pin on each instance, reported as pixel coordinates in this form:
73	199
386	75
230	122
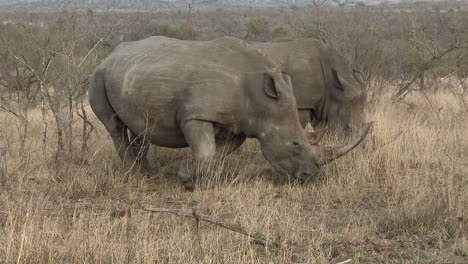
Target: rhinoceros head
348	96
290	150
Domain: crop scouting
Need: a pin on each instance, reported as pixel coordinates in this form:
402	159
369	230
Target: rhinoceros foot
185	176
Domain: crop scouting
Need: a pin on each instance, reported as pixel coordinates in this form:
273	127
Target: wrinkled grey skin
209	95
328	89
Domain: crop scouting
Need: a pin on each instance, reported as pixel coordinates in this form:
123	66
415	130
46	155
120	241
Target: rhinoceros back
153	83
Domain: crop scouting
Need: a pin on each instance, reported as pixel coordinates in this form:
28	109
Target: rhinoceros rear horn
314	137
327	154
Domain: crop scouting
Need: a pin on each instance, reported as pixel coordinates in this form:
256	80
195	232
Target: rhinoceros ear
269	86
338	81
287	78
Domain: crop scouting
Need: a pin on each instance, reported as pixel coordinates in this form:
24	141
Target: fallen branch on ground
346	261
256	237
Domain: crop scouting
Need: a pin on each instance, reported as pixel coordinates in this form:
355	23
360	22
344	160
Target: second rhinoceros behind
209	95
327	87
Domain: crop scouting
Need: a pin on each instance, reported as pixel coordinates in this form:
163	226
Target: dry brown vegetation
400	198
404	201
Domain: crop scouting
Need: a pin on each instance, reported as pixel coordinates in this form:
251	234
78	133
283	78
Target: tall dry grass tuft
400	198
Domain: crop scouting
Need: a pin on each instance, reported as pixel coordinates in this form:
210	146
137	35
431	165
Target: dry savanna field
400	197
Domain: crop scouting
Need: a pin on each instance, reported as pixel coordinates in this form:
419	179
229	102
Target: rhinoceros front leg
226	144
201	139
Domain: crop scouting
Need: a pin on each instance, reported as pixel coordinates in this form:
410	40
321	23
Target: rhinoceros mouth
299	176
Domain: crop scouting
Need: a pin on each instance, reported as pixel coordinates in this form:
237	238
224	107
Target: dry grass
402	202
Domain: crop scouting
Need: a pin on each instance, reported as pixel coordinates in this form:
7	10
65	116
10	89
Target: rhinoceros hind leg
139	147
201	139
118	133
106	114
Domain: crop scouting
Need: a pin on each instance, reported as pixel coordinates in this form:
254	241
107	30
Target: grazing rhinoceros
209	95
327	88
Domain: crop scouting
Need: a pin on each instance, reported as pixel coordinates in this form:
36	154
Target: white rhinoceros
327	87
209	95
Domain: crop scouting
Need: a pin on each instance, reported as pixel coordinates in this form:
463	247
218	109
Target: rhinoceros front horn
327	154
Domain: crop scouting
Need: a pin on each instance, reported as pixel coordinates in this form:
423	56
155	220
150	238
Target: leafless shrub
51	69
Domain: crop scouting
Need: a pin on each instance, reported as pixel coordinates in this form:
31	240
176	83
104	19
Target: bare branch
452	73
23	62
345	262
257	237
424	45
421	68
90	51
318	3
47	64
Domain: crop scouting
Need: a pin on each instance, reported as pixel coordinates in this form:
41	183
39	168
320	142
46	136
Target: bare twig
23	62
90	51
452	73
319	3
189	19
257	237
86	132
423	45
344	262
436	111
404	90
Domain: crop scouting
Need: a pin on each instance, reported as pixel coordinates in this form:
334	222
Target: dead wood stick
344	262
256	237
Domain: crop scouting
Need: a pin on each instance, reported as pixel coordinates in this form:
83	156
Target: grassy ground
401	202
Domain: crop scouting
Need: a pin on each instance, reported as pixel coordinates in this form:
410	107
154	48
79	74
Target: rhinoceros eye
359	77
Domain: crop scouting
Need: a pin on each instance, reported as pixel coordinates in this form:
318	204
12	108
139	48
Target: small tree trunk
189	21
70	125
44	120
59	125
84	138
87	127
24	133
421	81
60	145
